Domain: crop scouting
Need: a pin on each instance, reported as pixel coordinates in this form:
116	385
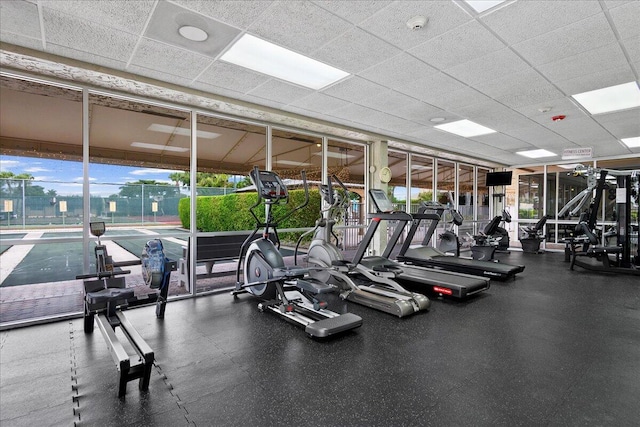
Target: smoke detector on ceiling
417	22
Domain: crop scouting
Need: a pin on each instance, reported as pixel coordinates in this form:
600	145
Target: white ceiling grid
498	68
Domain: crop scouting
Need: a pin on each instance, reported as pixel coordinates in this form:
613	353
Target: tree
206	179
12	185
152	189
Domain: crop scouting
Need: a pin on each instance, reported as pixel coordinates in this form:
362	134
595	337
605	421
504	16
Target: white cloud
8	164
37	169
151	171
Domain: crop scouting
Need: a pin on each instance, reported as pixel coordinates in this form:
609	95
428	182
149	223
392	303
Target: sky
66	176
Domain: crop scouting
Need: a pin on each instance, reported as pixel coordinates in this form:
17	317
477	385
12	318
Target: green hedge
231	212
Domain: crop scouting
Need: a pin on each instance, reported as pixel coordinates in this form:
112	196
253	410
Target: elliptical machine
372	288
448	242
288	292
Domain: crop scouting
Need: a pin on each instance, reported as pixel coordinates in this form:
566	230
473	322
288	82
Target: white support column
86	194
379	158
193	217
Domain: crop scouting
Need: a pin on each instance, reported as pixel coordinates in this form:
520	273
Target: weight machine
585	242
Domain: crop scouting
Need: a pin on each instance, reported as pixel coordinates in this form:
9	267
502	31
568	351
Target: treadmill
443	283
426	256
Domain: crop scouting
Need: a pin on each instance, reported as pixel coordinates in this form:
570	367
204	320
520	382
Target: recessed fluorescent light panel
181	131
292	163
483	5
570	166
158	147
536	154
465	128
336	155
267	58
631	142
613	98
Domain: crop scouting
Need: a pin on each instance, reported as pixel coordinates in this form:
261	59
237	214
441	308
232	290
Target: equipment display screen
380	199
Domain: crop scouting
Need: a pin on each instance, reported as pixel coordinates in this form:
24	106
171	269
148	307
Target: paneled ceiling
511	68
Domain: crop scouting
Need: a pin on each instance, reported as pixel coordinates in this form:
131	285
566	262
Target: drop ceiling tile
159	75
397	124
299	26
72	32
512	84
524	20
20	18
130	16
580	130
19	40
216	90
353	89
398	70
390	23
581	36
168	18
237	13
541	92
632	46
263	101
319	103
457	98
493	115
626	18
597	80
279	91
232	77
355	50
169	59
88	57
464	43
621	124
503	142
488	67
602	58
430	87
354	11
354	112
559	106
612	149
537	135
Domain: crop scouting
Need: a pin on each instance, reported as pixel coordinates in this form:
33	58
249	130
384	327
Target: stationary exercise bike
372	288
287	291
106	294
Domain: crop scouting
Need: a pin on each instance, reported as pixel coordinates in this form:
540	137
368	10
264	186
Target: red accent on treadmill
375	219
289	308
442	290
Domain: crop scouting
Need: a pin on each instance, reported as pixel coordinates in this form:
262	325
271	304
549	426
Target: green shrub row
231	212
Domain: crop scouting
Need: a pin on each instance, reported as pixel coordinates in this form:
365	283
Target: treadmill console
381	201
97	228
269	185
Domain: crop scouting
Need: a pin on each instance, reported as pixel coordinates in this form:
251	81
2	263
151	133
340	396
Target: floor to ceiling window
347	161
41	199
226	152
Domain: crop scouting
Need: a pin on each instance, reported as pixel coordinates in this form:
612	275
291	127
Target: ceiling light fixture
465	128
631	142
192	33
483	5
536	154
612	98
181	131
159	147
267	58
292	163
